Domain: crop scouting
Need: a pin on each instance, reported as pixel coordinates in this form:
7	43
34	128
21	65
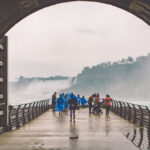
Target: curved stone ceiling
12	11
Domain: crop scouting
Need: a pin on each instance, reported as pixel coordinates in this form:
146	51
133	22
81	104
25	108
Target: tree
130	59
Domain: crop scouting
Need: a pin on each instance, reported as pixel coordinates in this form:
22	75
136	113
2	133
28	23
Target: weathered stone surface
12	11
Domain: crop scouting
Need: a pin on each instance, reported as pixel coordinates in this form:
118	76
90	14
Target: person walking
60	104
83	101
72	106
79	101
90	101
54	101
108	100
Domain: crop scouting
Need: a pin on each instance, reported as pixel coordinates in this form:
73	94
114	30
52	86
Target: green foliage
127	77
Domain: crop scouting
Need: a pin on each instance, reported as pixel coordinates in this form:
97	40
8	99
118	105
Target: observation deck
50	131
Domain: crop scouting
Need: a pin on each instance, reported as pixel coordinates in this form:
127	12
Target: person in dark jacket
72	106
54	101
90	101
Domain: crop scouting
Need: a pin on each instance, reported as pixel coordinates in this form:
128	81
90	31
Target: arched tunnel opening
25	8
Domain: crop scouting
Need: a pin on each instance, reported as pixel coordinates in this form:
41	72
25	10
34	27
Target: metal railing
133	112
22	114
139	137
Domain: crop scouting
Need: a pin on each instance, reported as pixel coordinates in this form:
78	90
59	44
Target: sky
64	38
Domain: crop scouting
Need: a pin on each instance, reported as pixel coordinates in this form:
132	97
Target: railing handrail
23	113
30	102
136	113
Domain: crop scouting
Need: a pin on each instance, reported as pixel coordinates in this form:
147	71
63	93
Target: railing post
29	117
148	125
37	109
134	136
17	116
33	110
43	110
124	111
129	109
114	107
24	116
134	117
40	107
141	117
48	104
141	137
116	110
44	107
120	108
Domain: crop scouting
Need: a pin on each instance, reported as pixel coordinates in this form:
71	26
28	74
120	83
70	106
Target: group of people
95	104
67	101
73	102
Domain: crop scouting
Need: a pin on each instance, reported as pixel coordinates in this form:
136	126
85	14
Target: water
38	90
139	101
44	89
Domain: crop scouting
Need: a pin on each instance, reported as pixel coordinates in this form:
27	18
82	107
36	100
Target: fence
135	113
139	137
21	114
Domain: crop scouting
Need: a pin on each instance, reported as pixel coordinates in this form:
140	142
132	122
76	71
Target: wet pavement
52	132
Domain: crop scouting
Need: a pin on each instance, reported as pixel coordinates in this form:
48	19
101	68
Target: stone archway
12	11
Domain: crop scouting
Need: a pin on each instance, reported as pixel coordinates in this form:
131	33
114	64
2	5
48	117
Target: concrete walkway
51	132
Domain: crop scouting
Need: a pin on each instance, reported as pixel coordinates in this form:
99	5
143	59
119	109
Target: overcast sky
62	39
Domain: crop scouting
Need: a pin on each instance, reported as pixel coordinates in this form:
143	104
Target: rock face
12	11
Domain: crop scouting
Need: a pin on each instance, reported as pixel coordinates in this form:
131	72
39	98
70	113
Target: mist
35	90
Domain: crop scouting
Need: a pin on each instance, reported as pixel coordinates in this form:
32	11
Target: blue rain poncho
83	101
77	98
67	100
60	103
69	97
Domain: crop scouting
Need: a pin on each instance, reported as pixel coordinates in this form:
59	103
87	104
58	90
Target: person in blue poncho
60	102
66	102
83	101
